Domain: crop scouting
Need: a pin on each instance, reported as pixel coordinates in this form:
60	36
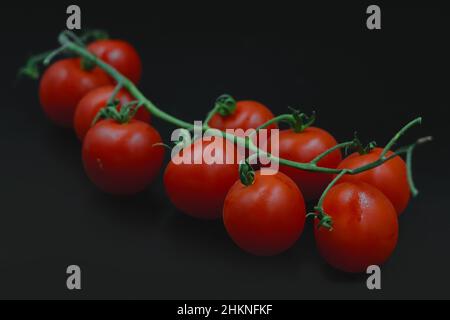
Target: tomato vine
70	43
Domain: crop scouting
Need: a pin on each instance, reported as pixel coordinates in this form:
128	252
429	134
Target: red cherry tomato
365	227
303	147
94	101
120	158
390	178
267	217
63	85
121	55
200	189
248	115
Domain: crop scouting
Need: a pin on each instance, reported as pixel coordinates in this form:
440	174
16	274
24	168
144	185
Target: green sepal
359	147
246	173
225	105
301	121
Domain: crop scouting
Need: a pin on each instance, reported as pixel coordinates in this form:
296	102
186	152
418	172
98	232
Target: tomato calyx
359	147
122	116
325	220
225	105
246	173
31	69
87	64
301	121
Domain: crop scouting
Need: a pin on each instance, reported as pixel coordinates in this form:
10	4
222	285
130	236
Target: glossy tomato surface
365	227
303	147
248	115
267	217
122	159
94	101
63	85
121	55
198	188
390	178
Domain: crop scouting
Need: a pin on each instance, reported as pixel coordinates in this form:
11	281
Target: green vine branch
325	220
339	146
226	105
32	66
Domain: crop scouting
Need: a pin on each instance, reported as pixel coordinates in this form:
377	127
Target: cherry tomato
94	101
63	85
390	178
267	217
248	115
121	55
365	227
120	158
199	190
304	146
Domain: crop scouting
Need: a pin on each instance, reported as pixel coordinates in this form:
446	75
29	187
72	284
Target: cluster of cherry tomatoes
123	155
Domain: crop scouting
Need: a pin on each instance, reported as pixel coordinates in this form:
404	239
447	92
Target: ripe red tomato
390	178
304	146
120	158
267	217
63	85
121	55
248	115
200	189
365	227
94	101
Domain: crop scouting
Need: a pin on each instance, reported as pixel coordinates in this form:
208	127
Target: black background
319	58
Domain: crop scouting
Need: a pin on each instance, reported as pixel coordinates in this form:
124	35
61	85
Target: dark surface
321	59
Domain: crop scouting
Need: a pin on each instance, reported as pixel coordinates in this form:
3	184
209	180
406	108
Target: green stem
31	68
210	115
332	183
399	134
331	150
412	186
114	93
133	90
225	105
64	40
303	121
325	220
53	54
309	166
409	154
289	118
72	35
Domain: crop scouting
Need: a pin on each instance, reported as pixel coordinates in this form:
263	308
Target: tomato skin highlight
122	159
267	217
390	178
121	55
248	115
63	85
365	227
199	190
303	147
94	101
